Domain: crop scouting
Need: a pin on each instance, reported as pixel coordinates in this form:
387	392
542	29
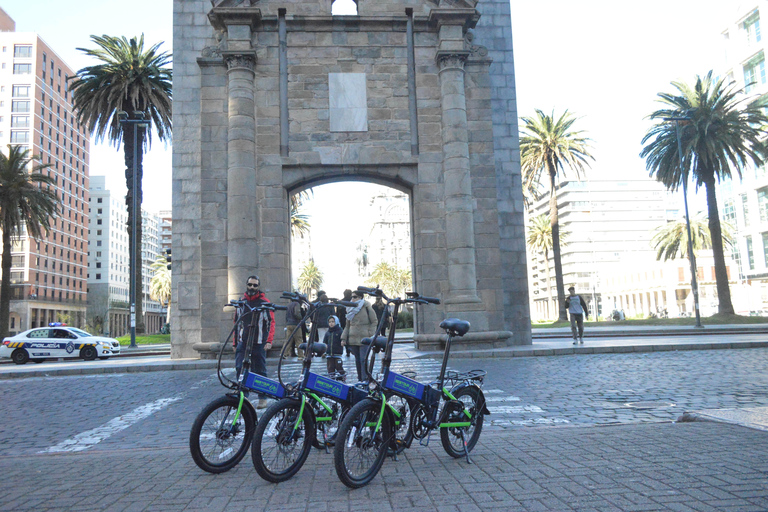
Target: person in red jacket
263	335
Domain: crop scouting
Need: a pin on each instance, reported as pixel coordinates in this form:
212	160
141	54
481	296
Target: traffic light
168	258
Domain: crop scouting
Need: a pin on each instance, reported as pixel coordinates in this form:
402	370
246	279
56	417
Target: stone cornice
220	17
467	18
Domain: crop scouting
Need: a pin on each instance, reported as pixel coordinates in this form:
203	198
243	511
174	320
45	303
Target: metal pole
691	258
133	244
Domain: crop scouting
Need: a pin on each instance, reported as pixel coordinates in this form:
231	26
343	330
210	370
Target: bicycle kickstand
325	442
466	452
422	442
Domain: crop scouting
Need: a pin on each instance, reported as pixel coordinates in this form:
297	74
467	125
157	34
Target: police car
57	340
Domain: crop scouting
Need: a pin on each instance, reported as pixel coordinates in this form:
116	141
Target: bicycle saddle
380	342
455	326
317	348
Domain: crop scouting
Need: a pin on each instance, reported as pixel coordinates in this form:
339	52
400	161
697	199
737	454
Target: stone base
210	350
470	341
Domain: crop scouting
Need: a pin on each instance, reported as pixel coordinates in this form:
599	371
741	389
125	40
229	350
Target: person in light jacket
361	323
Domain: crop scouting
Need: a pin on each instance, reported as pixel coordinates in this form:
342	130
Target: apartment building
109	261
48	275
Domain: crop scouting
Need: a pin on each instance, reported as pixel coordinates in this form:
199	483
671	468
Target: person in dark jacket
333	340
381	310
341	314
263	334
323	314
293	333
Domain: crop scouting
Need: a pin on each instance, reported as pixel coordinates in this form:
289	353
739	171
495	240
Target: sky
604	60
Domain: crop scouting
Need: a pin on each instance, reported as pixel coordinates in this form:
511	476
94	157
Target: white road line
502	399
529	423
90	438
515	409
487	391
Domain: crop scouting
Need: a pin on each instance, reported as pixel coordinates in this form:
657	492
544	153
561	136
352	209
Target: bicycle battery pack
264	385
327	386
404	385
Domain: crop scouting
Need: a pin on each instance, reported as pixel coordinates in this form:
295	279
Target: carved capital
451	60
240	61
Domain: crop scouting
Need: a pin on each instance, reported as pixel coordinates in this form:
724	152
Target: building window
98	276
729	212
22	69
22	51
765	249
19	106
745	209
751	27
754	73
762	204
19	121
19	137
750	253
20	91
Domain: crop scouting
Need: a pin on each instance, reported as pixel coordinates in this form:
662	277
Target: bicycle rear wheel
401	408
218	441
327	421
361	443
282	440
451	436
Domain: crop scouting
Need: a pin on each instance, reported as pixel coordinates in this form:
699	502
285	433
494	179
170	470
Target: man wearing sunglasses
264	334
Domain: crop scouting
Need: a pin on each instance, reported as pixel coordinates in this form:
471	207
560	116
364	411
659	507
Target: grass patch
148	339
709	320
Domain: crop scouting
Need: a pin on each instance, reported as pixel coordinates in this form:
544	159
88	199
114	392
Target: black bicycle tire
249	420
256	454
353	419
477	418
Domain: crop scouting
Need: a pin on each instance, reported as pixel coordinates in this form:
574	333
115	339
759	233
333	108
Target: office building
109	261
48	275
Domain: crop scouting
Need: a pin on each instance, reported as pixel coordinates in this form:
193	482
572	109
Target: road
140	421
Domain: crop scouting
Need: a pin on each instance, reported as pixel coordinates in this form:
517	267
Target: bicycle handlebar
264	305
412	296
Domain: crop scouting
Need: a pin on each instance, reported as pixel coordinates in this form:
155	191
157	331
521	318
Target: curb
565	351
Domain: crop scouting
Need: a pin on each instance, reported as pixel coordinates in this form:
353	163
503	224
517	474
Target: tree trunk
549	285
556	246
724	306
5	288
128	148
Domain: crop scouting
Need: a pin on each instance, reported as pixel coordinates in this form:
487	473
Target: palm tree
24	202
394	281
724	130
128	80
671	239
299	221
540	240
550	145
160	284
311	278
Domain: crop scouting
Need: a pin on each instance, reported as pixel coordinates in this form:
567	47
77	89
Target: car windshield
80	332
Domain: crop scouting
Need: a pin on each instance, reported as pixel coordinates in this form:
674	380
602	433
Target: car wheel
88	353
20	356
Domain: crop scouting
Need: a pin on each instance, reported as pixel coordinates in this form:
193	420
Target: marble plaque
347	99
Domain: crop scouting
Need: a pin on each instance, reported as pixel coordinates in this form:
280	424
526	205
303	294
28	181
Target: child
332	339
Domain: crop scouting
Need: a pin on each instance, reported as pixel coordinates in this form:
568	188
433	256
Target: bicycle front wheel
361	443
451	437
282	440
220	438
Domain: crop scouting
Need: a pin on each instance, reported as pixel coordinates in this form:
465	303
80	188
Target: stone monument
272	97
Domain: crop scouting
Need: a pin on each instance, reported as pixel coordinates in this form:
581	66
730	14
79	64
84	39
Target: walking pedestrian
341	314
333	340
577	310
361	323
323	314
293	332
263	334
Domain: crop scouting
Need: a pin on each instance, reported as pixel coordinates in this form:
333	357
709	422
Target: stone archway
273	96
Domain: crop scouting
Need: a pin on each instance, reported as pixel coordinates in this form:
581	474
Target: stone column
459	217
242	215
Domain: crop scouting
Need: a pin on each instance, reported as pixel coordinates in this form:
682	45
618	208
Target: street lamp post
132	263
691	257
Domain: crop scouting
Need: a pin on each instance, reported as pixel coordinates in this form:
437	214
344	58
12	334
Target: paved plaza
575	432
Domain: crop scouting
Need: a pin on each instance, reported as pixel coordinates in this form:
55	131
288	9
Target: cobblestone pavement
119	442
